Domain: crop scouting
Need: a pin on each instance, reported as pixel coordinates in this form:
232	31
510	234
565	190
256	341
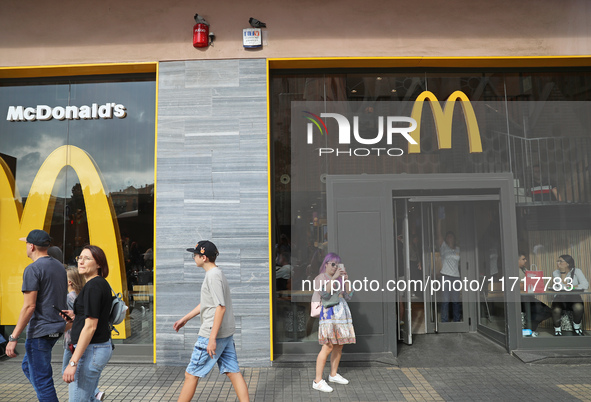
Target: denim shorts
225	356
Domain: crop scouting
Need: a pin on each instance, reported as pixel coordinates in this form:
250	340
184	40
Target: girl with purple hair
336	326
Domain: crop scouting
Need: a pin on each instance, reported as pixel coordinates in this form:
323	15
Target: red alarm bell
200	32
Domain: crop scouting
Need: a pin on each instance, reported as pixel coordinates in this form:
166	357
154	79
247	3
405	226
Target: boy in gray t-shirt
215	343
216	292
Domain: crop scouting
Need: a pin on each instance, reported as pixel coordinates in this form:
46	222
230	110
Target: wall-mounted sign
86	112
252	38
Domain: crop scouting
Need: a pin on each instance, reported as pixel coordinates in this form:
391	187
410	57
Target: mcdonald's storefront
281	161
78	161
497	159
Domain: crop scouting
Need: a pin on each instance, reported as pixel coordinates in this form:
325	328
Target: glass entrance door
443	269
447	259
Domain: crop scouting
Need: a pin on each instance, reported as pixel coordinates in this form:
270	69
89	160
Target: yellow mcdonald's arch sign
16	222
443	121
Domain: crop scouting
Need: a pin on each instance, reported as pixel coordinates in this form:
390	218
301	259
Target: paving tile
146	382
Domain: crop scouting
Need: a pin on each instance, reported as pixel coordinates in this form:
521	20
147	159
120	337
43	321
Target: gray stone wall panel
212	184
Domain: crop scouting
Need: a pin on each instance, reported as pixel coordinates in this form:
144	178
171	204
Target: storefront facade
217	146
505	173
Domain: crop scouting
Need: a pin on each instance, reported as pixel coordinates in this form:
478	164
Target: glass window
111	121
554	250
532	124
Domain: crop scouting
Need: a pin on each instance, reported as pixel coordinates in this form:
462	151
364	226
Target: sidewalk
482	374
127	382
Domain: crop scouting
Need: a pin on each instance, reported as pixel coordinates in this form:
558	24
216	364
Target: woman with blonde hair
336	326
75	285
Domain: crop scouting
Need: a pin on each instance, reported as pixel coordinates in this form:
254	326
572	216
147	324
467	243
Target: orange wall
68	32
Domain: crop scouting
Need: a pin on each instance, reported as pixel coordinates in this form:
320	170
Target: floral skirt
336	325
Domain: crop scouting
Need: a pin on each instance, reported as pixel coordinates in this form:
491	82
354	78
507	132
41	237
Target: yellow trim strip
77	69
155	228
442	62
269	206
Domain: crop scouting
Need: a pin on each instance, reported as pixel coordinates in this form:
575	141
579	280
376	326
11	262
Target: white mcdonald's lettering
443	121
17	222
86	112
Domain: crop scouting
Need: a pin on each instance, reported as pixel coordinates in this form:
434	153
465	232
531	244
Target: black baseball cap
206	248
38	237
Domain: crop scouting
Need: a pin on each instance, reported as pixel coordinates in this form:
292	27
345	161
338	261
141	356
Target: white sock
576	326
558	328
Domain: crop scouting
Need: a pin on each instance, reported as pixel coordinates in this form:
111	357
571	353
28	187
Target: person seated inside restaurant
542	186
539	311
283	272
570	280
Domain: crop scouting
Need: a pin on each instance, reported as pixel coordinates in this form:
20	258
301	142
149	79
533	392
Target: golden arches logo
443	121
17	222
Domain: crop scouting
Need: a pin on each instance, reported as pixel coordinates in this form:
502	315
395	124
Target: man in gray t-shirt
45	285
215	343
216	292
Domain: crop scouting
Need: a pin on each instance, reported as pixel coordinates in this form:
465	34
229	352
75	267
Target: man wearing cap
45	284
216	342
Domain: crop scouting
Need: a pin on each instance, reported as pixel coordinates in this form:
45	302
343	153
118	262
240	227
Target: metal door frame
404	330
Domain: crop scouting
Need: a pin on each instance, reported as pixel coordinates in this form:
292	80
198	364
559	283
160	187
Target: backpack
118	311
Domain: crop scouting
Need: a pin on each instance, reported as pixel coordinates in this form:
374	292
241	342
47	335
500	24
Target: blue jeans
37	367
449	293
66	361
90	366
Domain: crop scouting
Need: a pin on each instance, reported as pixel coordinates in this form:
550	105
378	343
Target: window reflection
123	152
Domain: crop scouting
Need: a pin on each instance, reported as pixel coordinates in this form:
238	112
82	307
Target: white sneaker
339	379
322	386
535	334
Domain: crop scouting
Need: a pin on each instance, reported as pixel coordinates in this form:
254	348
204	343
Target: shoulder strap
112	291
